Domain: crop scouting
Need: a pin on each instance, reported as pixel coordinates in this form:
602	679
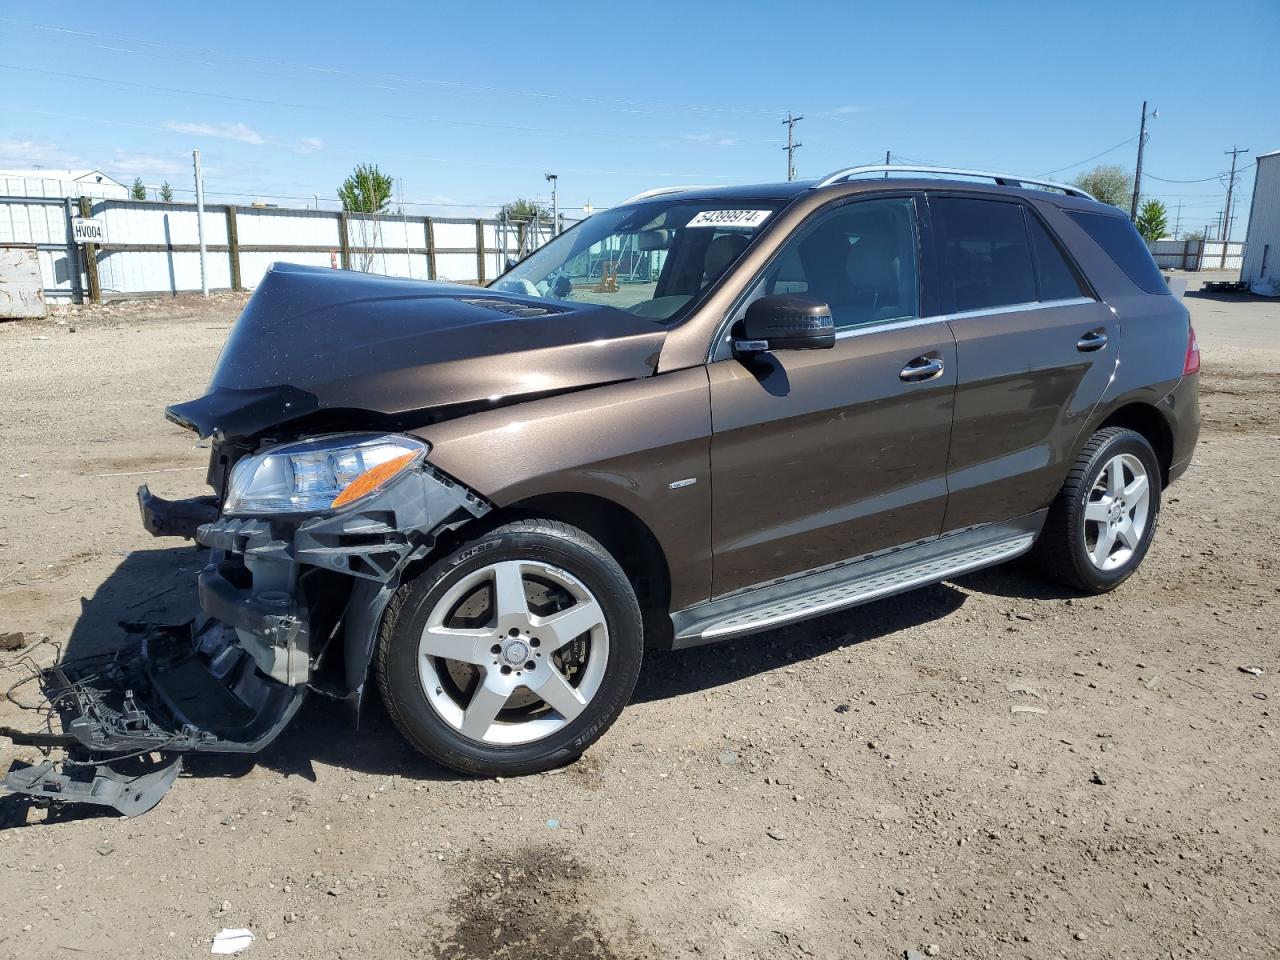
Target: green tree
522	209
1153	220
139	190
1109	183
367	190
166	192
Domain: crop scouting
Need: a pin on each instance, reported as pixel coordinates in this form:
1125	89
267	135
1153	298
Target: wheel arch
1147	420
627	538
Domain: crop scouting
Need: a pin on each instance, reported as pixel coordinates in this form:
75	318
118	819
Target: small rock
1097	778
553	824
226	907
1258	695
12	641
1081	935
842	708
932	950
776	834
1251	671
271	934
728	758
105	848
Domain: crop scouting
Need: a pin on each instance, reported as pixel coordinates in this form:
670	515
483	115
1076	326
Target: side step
861	581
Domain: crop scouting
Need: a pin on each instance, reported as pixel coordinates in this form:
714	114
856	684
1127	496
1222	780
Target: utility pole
1178	222
1137	176
553	179
791	146
886	163
204	273
1231	183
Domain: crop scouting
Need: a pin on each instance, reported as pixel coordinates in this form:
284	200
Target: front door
818	456
1035	348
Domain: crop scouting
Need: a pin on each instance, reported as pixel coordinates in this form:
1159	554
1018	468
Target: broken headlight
312	476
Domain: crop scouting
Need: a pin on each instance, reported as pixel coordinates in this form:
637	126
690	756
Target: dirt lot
851	787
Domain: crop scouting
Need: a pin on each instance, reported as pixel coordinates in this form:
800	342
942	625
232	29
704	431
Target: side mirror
786	322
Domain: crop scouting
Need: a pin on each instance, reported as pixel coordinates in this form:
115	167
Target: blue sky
468	105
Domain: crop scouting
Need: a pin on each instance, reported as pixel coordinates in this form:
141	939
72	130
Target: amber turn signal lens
371	480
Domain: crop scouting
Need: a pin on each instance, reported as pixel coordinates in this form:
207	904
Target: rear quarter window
1117	236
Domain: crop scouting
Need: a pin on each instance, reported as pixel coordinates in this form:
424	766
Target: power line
615	102
399	117
1122	143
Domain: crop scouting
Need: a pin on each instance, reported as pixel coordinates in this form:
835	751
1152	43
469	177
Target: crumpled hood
313	339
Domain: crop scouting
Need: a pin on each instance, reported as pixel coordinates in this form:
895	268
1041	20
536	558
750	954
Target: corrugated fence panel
33	223
157	223
258	226
156	271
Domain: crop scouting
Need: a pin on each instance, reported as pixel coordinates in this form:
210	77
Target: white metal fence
152	247
1197	254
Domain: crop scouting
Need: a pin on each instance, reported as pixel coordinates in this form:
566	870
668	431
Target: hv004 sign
88	230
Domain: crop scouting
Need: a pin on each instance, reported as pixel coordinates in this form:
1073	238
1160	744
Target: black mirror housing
786	322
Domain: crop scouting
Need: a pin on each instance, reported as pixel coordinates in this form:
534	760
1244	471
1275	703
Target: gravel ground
855	786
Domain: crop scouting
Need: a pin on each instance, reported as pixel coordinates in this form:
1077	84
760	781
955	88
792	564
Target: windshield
652	259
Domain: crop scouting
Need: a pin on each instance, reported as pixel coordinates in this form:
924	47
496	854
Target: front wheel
1101	524
513	653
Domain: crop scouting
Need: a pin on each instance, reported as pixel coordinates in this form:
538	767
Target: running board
856	582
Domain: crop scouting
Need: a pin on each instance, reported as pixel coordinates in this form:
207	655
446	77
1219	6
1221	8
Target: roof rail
660	191
1004	179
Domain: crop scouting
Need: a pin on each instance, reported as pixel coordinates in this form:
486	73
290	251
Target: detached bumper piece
125	720
175	518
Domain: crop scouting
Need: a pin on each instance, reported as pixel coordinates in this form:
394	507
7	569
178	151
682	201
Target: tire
452	643
1075	534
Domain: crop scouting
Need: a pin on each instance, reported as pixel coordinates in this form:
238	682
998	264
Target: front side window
860	259
651	259
985	253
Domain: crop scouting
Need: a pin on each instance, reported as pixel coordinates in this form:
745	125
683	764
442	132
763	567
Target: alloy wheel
1117	512
513	652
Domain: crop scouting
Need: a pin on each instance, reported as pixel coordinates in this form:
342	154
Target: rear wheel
513	653
1101	524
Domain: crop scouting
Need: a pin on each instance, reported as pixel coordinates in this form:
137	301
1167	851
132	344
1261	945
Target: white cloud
225	131
21	154
310	144
850	109
715	138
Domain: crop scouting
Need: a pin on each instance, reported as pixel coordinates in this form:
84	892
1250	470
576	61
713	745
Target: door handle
926	367
1093	340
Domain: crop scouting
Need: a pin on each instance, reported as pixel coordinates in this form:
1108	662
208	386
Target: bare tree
1109	183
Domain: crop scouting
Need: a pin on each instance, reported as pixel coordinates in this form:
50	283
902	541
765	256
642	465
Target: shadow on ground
158	586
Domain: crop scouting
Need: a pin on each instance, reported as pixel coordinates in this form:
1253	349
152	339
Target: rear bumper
1181	409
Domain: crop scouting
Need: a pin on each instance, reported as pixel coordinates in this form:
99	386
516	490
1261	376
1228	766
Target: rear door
822	455
1035	350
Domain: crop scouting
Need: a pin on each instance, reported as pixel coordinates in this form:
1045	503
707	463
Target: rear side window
985	253
1058	281
1117	236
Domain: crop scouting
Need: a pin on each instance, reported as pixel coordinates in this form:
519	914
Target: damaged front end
288	604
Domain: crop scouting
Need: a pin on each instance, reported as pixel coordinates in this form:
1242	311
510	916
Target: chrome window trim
1020	307
877	325
985	312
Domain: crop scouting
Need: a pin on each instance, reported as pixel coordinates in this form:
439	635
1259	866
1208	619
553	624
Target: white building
1262	245
40	182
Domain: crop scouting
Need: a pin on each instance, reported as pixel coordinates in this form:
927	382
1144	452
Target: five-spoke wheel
1101	524
513	652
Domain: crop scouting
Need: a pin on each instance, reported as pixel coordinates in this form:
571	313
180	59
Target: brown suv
701	414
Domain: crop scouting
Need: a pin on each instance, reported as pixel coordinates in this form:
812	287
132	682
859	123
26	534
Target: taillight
1192	363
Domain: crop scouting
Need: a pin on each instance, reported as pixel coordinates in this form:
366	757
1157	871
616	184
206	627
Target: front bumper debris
124	720
287	606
